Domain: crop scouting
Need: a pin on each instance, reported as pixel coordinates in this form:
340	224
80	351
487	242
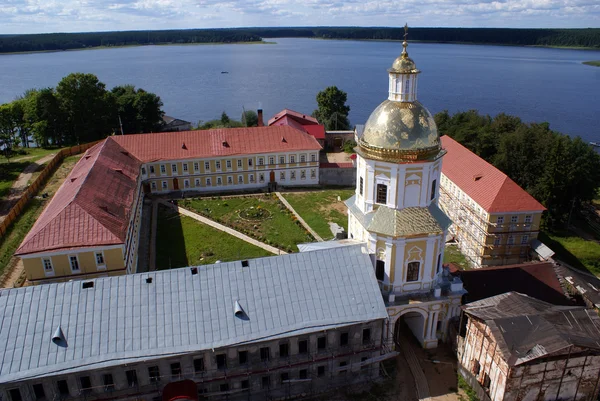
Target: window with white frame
219	181
186	183
239	163
500	220
74	262
151	169
206	166
218	164
47	265
282	176
196	166
144	170
261	177
302	158
208	182
302	174
514	219
229	180
292	158
524	239
100	259
313	173
163	169
240	179
313	158
249	162
164	185
412	273
511	240
174	168
528	218
360	186
185	167
261	161
197	182
271	159
228	164
381	194
292	175
153	185
497	240
251	177
281	159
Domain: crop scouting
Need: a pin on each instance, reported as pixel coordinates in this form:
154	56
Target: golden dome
400	131
404	64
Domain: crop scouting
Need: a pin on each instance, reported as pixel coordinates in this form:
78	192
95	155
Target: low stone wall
345	176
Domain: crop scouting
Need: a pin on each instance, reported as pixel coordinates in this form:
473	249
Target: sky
38	16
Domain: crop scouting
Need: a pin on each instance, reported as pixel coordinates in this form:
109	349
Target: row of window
382	191
515	219
74	263
228	164
243	359
511	240
208	181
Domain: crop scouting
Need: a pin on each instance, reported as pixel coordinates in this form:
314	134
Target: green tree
332	110
89	109
250	118
139	111
8	129
44	116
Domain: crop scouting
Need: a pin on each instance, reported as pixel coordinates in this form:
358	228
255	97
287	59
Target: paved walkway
300	219
406	345
225	229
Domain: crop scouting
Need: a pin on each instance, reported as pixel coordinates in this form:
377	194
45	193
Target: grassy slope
453	255
576	251
182	241
10	170
315	208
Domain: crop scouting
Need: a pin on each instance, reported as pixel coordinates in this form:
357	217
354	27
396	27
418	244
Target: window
292	175
153	185
185	167
360	186
151	169
439	263
284	377
366	336
381	193
240	179
153	374
229	180
271	160
265	381
524	239
175	369
302	174
413	271
282	176
284	350
163	169
261	177
281	159
245	384
164	185
322	342
144	170
197	182
313	158
261	161
208	182
228	164
100	259
196	166
500	220
433	186
218	164
74	262
251	178
497	240
343	367
15	394
528	218
219	181
47	264
302	158
313	173
239	163
243	357
292	159
224	387
380	270
199	365
511	240
303	374
86	384
38	391
63	388
249	162
174	168
321	370
221	361
344	339
206	166
109	384
131	376
265	354
303	346
486	381
514	219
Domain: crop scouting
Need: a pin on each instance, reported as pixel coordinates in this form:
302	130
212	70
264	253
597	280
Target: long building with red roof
91	226
495	219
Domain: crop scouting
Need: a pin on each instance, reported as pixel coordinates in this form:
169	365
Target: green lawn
453	255
318	208
10	170
182	241
576	251
273	224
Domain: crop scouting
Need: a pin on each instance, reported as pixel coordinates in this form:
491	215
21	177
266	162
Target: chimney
260	118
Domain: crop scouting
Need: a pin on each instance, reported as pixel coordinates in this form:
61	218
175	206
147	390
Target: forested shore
580	38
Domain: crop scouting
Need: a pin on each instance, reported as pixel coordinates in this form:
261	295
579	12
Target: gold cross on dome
405	30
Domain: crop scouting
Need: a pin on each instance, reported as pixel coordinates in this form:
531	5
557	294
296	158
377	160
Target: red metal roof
493	190
92	207
303	119
216	142
318	131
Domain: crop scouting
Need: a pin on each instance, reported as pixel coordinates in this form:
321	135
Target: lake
536	84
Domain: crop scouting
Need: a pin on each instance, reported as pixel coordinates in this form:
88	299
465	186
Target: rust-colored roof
304	119
493	190
93	205
216	142
318	131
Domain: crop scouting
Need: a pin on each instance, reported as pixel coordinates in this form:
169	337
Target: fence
32	189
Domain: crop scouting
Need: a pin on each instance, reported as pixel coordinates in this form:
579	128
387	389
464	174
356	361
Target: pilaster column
389	262
429	324
426	272
401	180
399	263
393	188
433	324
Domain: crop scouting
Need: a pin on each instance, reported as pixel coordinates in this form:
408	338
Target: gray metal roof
126	319
527	328
541	249
315	246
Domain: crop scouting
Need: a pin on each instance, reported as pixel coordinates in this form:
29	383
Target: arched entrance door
410	324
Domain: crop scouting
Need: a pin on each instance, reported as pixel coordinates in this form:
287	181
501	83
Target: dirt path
300	219
20	185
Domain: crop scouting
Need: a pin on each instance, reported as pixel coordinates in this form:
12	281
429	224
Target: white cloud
28	16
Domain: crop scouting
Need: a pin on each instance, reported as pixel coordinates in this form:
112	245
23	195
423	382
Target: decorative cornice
430	153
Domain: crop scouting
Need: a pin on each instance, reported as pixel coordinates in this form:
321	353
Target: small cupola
403	76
